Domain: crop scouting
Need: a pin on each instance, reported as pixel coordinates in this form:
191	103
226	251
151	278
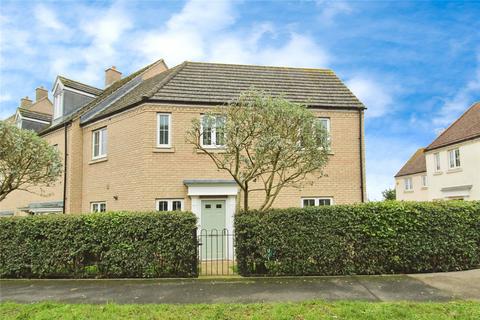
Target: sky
415	65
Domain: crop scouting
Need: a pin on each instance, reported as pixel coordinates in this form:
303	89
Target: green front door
212	230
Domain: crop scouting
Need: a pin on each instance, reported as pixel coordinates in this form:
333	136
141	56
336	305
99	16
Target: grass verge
304	310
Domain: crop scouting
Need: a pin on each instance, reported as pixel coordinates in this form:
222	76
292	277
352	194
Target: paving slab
460	284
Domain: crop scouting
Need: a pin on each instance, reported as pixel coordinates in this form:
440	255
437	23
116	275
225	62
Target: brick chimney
40	93
25	102
112	75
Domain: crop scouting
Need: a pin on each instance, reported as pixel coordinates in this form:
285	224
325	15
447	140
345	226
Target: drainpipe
65	169
360	136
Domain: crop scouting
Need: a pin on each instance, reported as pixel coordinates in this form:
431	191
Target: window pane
437	161
96	144
162	205
457	157
323	202
308	202
207	131
177	205
103	207
103	144
220	131
163	137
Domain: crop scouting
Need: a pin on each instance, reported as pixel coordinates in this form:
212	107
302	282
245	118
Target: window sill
424	188
437	173
407	191
213	150
454	170
164	150
98	160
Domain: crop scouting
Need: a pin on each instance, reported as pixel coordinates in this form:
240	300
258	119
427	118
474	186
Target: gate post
195	258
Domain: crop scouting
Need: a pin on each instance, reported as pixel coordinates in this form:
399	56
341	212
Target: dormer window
57	103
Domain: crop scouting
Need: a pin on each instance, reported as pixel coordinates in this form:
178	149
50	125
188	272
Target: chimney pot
40	93
25	102
112	75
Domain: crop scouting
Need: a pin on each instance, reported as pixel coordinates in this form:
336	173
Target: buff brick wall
18	199
136	173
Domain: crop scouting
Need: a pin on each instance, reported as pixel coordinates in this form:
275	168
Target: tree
26	160
267	143
389	194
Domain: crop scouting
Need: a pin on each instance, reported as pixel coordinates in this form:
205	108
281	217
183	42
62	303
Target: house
449	168
36	115
125	148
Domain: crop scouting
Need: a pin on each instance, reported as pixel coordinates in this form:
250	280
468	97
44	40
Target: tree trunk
245	197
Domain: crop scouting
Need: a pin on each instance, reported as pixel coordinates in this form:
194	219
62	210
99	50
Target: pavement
418	287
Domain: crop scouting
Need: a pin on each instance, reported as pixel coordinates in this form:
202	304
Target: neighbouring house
36	115
124	148
449	168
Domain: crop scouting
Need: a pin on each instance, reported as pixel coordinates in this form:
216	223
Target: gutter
65	168
360	131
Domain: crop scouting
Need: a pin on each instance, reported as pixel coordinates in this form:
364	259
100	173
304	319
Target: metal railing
216	253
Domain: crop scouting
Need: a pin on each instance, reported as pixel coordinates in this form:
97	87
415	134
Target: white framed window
212	131
316	201
454	158
99	143
169	204
164	127
99	206
424	181
408	184
58	104
436	157
325	124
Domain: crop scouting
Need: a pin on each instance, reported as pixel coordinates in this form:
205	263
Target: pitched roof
214	83
416	164
35	115
103	95
80	86
466	127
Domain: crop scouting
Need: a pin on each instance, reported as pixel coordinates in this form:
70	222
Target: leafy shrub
108	245
372	238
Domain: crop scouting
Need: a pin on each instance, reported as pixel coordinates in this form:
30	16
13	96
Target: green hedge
373	238
103	245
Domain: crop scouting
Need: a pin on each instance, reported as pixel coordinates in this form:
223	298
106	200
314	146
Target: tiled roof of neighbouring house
213	83
80	86
416	164
35	115
466	127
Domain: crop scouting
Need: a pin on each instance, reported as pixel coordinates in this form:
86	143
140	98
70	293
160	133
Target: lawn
304	310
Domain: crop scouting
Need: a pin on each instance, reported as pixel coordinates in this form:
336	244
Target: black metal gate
216	253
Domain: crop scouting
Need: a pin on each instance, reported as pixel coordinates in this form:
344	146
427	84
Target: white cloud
5	97
201	31
47	18
331	9
452	108
377	97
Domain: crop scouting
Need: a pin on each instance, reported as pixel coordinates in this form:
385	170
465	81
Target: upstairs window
454	158
164	129
325	123
170	205
213	131
315	202
436	158
57	103
408	184
98	206
99	143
